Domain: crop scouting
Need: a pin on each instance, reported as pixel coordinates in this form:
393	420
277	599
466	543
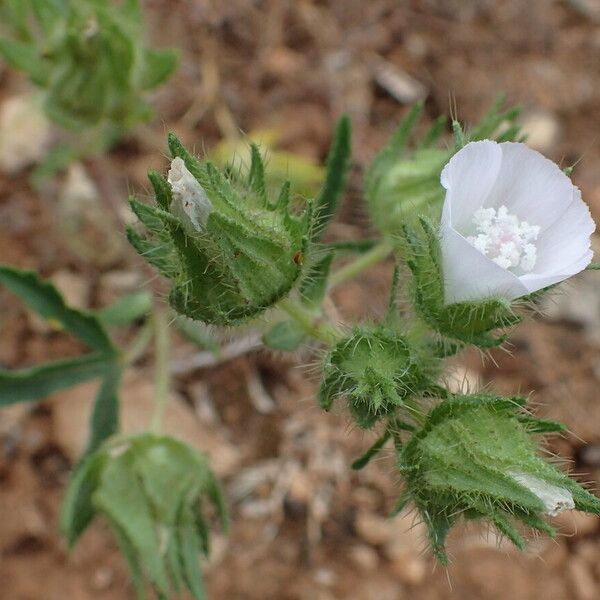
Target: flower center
504	239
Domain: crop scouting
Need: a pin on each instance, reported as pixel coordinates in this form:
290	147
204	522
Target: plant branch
309	322
161	368
363	262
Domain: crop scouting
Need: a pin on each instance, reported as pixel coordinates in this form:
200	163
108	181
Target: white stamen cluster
505	239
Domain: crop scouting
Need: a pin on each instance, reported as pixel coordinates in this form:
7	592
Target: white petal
530	186
190	201
468	178
567	239
555	499
535	282
470	275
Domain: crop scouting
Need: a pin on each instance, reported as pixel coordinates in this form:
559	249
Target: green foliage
403	181
242	260
38	382
153	491
88	56
472	458
375	370
468	322
338	163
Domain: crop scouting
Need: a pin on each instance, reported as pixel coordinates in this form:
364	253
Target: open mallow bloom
512	223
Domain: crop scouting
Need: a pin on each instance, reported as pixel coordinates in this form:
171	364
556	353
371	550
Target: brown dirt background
304	526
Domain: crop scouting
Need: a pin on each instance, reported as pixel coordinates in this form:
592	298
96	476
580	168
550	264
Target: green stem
309	322
140	343
161	368
366	260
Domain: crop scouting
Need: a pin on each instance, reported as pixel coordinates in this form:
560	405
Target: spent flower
475	457
230	250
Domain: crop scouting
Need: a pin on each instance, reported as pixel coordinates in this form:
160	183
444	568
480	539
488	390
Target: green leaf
24	57
121	498
256	176
39	382
126	310
49	13
365	459
157	67
105	416
314	285
43	298
533	425
58	159
285	335
338	163
190	548
77	510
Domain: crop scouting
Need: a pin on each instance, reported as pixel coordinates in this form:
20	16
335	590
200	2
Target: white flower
512	223
555	499
190	202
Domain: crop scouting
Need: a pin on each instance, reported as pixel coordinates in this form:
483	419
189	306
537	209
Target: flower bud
375	370
230	251
403	183
151	489
475	457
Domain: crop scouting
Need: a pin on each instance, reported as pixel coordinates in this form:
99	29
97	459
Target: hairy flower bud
375	370
403	181
230	251
151	490
475	457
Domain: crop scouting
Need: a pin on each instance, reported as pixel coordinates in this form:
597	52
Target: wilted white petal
555	499
190	201
512	223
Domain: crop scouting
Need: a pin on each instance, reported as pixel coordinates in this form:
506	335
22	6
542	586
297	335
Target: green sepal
89	58
403	181
469	459
338	163
374	370
313	286
246	256
472	322
151	489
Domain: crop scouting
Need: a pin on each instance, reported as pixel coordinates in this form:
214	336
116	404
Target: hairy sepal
375	370
483	323
459	463
152	490
247	256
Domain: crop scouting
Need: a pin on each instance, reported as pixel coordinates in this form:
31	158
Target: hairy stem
310	323
376	254
161	368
